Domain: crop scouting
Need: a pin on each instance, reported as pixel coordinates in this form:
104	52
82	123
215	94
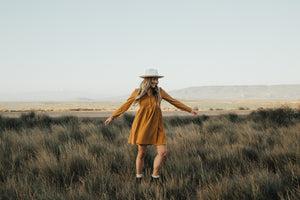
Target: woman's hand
194	113
107	122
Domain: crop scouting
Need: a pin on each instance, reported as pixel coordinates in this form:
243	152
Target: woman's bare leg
140	159
161	154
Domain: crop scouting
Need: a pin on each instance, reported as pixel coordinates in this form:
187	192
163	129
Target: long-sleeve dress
148	127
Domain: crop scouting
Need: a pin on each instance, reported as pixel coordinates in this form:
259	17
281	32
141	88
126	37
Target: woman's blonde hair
144	87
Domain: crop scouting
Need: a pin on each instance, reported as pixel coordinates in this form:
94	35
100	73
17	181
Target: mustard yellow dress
147	127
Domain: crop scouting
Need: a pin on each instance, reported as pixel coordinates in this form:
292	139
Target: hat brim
150	76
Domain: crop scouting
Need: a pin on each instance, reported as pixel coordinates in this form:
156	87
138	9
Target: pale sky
101	47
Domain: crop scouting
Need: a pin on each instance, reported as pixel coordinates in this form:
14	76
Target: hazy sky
103	46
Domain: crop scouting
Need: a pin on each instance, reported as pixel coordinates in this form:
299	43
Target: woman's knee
163	153
162	150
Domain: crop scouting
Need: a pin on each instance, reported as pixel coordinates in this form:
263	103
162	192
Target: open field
201	105
229	156
100	110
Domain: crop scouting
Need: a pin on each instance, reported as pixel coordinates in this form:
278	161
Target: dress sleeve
125	106
173	101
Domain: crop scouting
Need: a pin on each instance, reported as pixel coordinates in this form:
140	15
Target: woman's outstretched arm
123	108
176	103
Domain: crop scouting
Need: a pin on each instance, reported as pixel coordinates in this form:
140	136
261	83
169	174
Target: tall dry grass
226	157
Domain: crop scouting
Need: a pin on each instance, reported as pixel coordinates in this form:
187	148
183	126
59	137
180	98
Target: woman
147	127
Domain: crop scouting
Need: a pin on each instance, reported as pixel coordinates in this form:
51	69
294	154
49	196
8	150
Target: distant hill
266	92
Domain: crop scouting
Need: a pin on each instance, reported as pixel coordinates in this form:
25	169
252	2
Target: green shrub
9	123
79	167
277	117
128	118
179	121
107	134
250	153
214	127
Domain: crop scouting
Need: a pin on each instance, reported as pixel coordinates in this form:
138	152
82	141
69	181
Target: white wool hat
151	73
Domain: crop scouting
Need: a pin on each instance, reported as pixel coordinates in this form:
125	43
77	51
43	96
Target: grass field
255	156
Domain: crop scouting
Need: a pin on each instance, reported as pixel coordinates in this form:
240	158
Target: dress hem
147	144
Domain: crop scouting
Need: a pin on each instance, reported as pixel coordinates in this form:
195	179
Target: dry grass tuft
226	157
